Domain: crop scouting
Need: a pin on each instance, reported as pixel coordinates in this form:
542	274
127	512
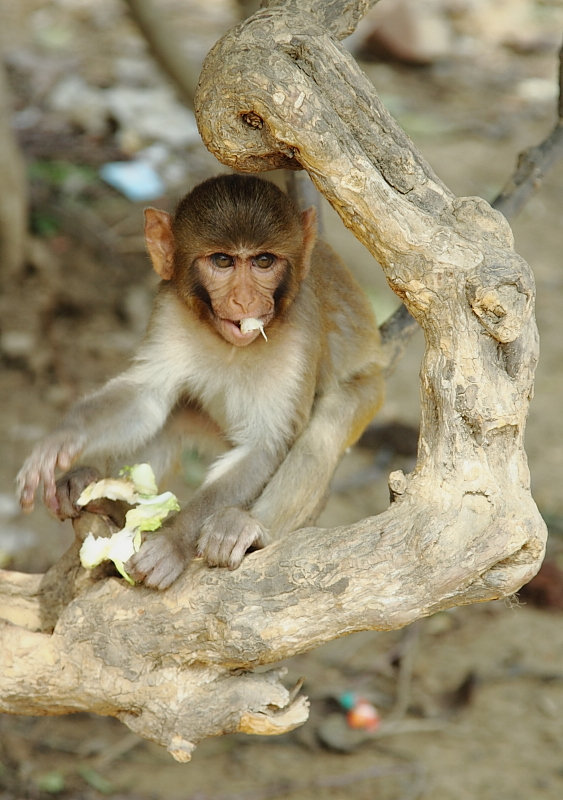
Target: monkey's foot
226	536
70	487
159	562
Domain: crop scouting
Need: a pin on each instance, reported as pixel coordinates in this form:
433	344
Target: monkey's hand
57	451
226	536
161	559
70	487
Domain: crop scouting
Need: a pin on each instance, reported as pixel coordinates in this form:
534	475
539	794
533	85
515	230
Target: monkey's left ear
160	241
309	224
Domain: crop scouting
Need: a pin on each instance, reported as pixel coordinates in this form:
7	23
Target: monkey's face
238	285
236	249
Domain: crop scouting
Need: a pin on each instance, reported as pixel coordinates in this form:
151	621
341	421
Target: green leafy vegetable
138	488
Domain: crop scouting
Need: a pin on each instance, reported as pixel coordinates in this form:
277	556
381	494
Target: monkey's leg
235	480
296	493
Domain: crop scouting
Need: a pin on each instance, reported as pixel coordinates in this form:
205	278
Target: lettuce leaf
150	509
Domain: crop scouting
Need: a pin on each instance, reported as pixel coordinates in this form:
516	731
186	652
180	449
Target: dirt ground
477	692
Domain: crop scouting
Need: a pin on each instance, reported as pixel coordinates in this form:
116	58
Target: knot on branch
253	120
477	220
181	749
248	80
502	295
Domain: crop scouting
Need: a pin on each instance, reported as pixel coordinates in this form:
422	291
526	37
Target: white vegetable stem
149	511
252	324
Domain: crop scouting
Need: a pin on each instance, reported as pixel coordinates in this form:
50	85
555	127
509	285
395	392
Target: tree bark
177	666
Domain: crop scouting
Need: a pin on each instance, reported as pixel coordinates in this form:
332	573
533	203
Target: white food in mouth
252	324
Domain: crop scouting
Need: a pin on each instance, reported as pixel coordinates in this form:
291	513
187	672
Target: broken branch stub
176	666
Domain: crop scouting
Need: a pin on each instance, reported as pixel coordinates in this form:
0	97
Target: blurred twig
166	47
396	333
13	200
410	641
533	163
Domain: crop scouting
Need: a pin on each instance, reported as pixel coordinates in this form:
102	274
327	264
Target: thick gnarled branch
137	654
451	260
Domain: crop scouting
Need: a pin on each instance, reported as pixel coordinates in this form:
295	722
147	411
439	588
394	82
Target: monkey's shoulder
352	339
335	284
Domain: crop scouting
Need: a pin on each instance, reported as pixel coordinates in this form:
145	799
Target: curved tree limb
276	91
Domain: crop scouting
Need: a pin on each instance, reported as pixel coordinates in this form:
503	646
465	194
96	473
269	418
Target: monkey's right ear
160	241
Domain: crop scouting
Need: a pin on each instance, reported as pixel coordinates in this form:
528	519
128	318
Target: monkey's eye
222	260
264	260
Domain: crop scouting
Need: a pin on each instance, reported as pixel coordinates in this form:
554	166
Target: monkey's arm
297	492
121	416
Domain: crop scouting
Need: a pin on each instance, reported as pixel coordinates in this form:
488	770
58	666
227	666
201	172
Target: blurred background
92	129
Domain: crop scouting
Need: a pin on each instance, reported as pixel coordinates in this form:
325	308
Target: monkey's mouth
230	329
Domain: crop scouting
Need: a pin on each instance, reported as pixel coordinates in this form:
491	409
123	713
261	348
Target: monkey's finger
26	488
226	536
50	493
155	576
46	474
237	553
70	487
209	547
249	536
227	549
57	456
163	576
157	564
67	451
65	505
65	459
27	482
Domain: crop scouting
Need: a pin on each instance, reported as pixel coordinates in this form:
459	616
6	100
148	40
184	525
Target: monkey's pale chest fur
252	393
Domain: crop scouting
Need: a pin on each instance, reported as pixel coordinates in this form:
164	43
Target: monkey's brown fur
284	409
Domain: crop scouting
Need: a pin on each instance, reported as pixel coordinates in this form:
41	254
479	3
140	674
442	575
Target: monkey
282	407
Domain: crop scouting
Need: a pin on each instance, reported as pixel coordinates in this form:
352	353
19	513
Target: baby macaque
261	341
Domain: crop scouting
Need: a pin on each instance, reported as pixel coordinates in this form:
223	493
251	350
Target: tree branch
137	655
396	332
534	163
